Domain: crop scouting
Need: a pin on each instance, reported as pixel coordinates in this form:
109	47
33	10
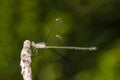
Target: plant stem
25	62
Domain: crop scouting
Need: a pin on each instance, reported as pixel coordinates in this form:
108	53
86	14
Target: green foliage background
85	23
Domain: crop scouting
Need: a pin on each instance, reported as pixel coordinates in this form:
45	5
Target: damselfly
53	33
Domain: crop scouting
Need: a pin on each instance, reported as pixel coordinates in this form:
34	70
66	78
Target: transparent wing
54	37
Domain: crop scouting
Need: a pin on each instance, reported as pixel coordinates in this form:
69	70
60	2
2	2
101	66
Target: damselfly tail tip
93	48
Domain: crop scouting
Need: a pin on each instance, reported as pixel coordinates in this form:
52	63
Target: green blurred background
85	23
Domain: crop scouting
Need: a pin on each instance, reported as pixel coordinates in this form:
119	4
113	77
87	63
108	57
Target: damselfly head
38	45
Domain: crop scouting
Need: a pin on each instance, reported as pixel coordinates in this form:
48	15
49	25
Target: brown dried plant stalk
25	62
